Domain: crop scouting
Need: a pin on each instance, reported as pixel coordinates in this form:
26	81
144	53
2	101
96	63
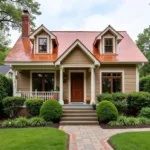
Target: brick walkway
92	137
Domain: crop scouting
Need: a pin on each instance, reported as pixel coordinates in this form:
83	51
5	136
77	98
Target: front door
77	87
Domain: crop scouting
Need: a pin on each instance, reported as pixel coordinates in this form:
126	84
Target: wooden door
77	87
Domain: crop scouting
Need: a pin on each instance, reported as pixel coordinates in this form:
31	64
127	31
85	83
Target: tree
4	46
11	12
143	44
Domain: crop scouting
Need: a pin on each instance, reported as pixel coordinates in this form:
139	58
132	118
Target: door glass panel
106	85
116	85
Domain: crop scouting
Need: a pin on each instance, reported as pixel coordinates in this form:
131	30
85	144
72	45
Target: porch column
61	87
92	85
14	83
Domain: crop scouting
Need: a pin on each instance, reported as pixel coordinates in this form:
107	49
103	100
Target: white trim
77	43
112	70
137	79
112	30
69	83
76	66
31	72
114	44
42	28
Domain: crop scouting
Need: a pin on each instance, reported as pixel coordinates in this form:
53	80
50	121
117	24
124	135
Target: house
6	71
81	64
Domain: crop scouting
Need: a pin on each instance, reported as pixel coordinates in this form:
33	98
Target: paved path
92	137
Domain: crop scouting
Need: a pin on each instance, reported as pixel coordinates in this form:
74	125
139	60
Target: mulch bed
105	126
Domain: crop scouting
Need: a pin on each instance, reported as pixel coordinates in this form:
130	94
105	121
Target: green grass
33	139
131	141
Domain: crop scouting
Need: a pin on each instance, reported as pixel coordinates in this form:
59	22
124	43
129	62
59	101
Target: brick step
78	122
78	111
79	118
93	114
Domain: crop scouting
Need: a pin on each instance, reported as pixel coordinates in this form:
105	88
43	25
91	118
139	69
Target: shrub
145	112
51	110
12	105
119	97
37	121
138	100
33	106
104	96
5	90
106	111
133	121
145	83
143	120
8	123
21	122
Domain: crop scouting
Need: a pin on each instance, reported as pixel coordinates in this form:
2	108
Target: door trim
69	83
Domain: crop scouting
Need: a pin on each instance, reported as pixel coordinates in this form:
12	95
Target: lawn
33	139
131	141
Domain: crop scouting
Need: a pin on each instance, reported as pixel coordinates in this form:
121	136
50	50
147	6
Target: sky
93	15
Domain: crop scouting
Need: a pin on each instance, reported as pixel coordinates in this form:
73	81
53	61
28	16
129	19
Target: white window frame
69	83
31	72
112	70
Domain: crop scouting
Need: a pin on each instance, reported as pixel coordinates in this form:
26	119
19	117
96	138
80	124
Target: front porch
75	83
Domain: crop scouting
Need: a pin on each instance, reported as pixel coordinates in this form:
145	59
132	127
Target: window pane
43	48
43	41
116	85
37	84
108	48
42	45
106	85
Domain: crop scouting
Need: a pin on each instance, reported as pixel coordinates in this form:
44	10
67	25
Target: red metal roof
128	51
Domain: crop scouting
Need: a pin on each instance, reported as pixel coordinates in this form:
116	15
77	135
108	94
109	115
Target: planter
88	100
94	107
65	102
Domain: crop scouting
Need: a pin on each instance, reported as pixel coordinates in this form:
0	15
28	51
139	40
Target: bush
5	90
12	105
8	123
33	106
51	110
106	111
21	122
37	121
104	96
145	112
117	97
138	100
145	83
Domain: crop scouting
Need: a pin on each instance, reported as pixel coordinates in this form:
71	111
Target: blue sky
129	15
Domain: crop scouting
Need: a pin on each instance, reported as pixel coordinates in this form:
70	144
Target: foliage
21	122
11	12
129	121
106	111
8	123
37	121
33	106
138	100
12	105
131	141
118	99
5	90
145	112
145	84
144	45
51	110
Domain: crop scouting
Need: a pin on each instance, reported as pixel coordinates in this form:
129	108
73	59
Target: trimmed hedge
106	111
145	84
138	100
5	90
145	112
33	106
12	105
118	99
51	110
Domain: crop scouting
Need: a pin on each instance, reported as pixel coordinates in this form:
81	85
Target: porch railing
44	95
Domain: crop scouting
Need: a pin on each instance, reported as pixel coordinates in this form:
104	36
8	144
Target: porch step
79	116
79	122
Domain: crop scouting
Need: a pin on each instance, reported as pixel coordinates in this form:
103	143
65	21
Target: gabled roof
71	48
4	69
42	27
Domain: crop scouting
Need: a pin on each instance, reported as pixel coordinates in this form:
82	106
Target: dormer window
108	45
42	45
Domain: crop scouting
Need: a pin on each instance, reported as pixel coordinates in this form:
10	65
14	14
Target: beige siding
24	80
129	76
77	56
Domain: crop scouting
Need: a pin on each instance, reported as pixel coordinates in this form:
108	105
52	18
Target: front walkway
92	137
